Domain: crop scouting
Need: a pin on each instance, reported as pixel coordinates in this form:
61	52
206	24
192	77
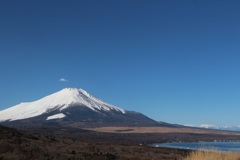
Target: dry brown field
160	130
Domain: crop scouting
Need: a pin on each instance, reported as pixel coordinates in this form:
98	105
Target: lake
221	146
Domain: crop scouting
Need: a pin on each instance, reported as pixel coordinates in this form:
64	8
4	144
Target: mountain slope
58	101
72	106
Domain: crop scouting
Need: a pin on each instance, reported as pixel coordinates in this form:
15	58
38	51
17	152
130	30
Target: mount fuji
72	107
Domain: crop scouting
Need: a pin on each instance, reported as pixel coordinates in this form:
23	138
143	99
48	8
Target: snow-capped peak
56	101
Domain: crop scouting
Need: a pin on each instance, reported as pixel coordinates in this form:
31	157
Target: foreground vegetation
212	155
74	144
17	145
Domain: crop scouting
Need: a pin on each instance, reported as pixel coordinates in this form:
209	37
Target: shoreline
228	146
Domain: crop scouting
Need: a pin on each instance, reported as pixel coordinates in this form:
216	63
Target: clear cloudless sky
174	61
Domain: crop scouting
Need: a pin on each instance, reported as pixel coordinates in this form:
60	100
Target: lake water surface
222	146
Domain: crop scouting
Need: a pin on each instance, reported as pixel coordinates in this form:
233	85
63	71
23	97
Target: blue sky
175	61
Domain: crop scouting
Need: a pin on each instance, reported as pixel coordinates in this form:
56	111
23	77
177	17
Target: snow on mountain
57	101
56	116
210	126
